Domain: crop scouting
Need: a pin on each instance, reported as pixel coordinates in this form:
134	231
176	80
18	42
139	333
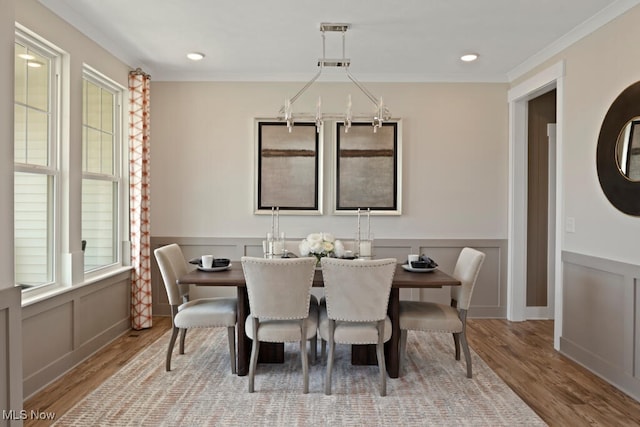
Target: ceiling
391	41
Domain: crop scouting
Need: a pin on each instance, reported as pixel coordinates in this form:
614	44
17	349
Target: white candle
278	247
365	248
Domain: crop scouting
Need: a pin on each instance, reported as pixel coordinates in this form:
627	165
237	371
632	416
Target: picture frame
288	168
368	168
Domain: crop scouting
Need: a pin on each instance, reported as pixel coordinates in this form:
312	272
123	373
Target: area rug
201	391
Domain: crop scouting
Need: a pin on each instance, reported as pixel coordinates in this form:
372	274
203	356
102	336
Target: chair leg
231	333
456	342
313	343
403	349
465	344
172	342
381	361
305	366
323	348
183	335
255	348
303	356
332	345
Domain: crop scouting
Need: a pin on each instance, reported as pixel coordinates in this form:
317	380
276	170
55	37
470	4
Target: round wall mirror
628	150
618	152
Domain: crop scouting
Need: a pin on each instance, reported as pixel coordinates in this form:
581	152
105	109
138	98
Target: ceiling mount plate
334	27
334	62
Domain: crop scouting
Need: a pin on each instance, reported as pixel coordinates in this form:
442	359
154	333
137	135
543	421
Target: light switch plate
570	224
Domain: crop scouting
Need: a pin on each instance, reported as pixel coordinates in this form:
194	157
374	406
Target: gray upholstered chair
280	306
355	306
430	316
199	313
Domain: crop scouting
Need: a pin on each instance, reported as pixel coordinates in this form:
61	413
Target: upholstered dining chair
199	313
430	316
354	309
279	291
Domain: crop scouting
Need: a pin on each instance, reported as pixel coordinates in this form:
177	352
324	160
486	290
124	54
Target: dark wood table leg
366	354
244	342
269	352
392	347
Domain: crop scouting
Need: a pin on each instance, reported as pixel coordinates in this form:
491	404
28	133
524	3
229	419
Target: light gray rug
200	390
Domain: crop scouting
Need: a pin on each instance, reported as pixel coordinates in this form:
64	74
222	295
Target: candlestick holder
363	247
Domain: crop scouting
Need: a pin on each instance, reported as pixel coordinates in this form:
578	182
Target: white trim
538	84
592	24
211	76
55	144
517	224
34	296
120	169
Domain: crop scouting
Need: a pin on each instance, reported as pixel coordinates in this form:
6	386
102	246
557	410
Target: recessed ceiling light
469	57
26	56
195	56
34	64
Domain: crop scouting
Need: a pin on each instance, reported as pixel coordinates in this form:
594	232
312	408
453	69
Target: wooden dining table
234	277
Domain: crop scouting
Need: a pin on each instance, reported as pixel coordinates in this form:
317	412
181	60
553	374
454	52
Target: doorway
541	112
551	78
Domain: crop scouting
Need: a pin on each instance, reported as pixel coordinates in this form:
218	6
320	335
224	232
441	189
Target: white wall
598	68
454	158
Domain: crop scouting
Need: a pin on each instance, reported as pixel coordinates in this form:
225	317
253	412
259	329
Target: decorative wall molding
62	331
10	353
601	329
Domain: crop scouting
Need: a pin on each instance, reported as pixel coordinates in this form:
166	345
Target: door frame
518	97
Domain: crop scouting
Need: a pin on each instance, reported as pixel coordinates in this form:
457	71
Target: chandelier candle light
380	114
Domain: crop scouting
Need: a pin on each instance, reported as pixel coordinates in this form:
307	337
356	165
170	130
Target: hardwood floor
64	393
561	392
521	353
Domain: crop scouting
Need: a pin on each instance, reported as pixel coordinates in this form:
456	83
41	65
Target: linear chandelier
380	114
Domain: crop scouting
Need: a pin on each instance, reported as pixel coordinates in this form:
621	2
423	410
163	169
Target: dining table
234	277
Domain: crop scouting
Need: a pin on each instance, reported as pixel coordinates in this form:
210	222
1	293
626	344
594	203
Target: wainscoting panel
102	310
601	329
61	331
489	299
10	354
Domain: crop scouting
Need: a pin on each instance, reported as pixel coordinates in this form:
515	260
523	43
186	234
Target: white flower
322	244
328	237
314	237
304	248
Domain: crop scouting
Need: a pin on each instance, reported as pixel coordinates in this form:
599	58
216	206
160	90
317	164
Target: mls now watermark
13	414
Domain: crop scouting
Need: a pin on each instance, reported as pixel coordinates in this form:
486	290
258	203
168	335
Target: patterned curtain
139	200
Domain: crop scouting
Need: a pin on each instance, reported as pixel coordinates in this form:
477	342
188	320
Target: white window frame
53	168
119	168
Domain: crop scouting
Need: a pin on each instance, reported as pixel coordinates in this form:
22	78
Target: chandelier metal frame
380	114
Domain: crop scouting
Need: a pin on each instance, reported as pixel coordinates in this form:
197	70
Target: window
101	144
36	163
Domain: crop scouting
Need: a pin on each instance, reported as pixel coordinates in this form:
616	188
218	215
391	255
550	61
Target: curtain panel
139	198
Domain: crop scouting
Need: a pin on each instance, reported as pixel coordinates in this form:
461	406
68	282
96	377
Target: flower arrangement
321	245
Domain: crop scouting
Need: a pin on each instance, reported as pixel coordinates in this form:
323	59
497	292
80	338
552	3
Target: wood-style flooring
562	392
